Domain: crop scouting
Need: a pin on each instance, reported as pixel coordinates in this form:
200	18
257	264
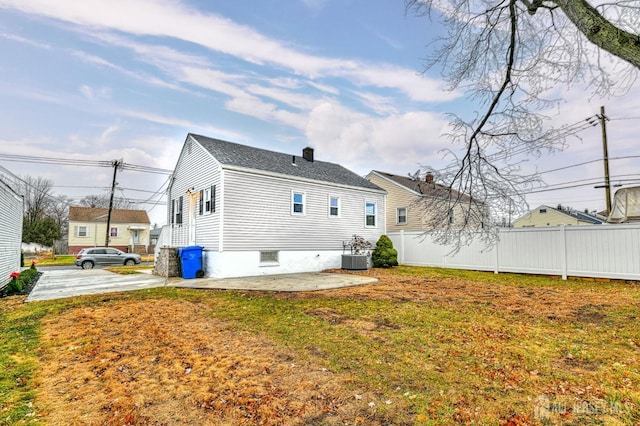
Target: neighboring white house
259	212
10	232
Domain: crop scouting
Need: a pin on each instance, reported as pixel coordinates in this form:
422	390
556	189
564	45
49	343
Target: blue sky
104	80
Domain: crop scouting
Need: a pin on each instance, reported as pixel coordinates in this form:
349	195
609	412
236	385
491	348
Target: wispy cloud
24	40
145	78
92	93
219	34
187	125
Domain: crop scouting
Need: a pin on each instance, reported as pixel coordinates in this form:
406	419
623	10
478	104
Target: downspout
221	224
169	206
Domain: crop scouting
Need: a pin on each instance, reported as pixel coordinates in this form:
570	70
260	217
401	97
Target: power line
58	161
626	157
82	163
146	169
624	118
525	146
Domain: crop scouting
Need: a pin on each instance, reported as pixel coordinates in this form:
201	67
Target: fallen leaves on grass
534	302
167	362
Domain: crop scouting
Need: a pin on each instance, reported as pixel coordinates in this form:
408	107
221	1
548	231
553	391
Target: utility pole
605	156
115	164
607	183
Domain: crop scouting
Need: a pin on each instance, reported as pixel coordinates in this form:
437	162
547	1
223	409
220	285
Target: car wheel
87	264
129	262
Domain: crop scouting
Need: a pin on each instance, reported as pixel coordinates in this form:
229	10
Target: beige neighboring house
128	230
410	202
549	216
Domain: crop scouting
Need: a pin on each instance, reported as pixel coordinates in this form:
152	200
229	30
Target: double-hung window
370	211
334	206
401	216
113	232
297	203
82	231
176	211
208	200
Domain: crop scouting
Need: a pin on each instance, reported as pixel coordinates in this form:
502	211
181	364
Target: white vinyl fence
601	251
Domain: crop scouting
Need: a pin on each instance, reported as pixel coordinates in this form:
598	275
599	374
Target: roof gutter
298	178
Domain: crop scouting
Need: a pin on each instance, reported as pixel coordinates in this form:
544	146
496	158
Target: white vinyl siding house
274	214
11	205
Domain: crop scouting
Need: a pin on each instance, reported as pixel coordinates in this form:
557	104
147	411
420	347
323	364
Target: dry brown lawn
165	362
159	360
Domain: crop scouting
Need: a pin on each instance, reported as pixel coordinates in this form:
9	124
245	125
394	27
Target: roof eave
398	184
297	178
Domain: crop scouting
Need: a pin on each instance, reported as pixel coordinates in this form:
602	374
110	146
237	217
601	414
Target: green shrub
384	255
19	281
14	286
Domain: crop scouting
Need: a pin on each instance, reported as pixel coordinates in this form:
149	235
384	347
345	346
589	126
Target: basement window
269	258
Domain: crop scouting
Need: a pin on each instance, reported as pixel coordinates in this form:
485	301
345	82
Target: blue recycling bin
191	261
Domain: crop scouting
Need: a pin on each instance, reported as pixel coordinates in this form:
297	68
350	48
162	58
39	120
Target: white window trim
177	211
206	202
375	214
86	231
339	207
304	203
406	219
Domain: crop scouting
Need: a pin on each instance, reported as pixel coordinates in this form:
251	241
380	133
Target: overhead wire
83	163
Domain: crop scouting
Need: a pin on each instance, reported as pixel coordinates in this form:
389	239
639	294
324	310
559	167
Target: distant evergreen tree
43	231
384	255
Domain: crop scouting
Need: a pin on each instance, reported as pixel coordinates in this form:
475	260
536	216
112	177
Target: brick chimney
428	177
307	154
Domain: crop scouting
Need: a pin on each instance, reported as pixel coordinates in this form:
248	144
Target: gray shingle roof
233	154
424	188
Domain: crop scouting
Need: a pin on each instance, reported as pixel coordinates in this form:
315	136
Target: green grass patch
19	339
58	260
128	270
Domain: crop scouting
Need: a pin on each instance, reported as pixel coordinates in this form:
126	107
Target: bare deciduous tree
508	55
59	212
102	201
37	197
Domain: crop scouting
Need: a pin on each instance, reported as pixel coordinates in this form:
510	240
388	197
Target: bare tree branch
508	55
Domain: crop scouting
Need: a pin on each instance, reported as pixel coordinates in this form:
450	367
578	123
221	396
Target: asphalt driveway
58	284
